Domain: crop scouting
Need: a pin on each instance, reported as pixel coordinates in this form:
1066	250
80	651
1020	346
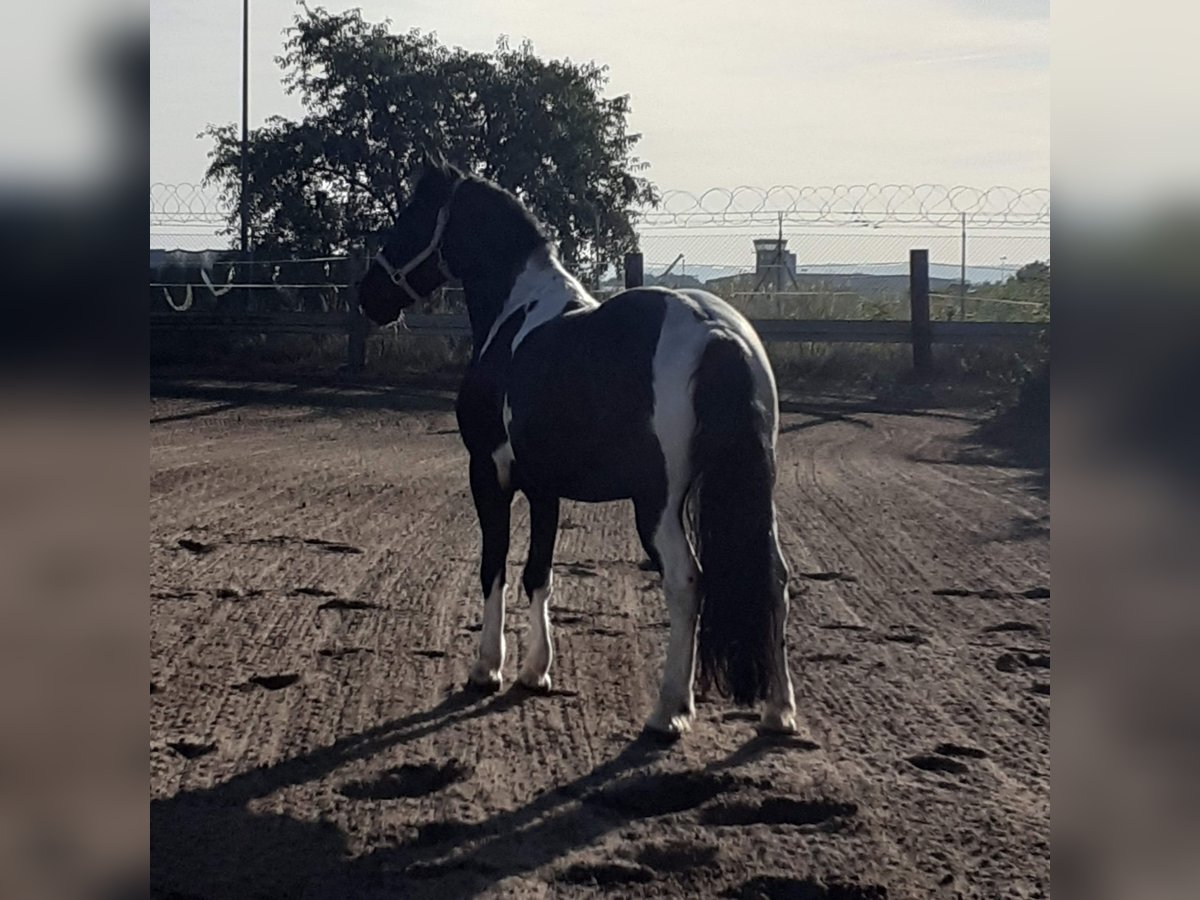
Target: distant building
768	274
768	253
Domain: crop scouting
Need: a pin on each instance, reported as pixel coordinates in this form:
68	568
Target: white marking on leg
779	713
502	456
535	672
487	669
676	701
680	343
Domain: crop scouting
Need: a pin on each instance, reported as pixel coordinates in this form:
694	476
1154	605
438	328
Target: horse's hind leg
538	583
493	503
779	714
646	516
676	702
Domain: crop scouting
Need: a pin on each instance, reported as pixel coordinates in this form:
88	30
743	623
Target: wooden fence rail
919	331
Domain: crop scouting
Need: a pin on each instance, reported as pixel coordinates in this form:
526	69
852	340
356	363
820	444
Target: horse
659	396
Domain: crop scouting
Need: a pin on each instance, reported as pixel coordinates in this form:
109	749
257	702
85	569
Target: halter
399	276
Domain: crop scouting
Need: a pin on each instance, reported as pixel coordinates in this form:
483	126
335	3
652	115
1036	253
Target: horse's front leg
493	503
538	582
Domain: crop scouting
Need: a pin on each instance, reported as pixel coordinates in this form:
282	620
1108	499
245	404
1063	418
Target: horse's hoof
483	679
775	721
531	681
485	687
668	728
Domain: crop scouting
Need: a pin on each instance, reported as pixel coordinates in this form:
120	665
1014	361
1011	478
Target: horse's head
411	266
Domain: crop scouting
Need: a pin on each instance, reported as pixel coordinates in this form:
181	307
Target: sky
724	94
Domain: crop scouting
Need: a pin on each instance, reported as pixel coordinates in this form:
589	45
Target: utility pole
962	274
779	260
244	197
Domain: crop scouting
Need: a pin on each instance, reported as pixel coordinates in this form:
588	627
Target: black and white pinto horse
662	397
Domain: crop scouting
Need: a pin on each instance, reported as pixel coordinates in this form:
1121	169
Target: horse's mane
488	200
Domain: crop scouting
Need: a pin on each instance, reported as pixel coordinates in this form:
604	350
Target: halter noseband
399	276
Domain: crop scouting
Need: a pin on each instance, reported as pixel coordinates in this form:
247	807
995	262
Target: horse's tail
742	576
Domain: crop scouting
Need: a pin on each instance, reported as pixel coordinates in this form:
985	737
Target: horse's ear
428	164
429	179
456	168
434	172
449	172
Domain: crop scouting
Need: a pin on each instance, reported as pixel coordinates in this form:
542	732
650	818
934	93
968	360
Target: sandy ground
314	610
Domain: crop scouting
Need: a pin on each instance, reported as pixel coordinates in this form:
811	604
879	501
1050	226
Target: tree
374	101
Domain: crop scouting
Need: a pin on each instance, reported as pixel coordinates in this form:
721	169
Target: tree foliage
1031	283
374	101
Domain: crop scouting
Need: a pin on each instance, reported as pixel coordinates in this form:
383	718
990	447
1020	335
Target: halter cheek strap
399	276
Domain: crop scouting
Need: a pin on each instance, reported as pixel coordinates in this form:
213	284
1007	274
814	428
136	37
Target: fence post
357	325
918	293
633	270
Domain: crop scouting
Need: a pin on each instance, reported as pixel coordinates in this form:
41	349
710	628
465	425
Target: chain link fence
794	252
842	252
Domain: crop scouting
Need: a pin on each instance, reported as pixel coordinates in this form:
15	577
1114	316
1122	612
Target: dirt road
314	611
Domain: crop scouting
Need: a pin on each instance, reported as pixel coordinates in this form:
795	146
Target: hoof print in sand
342	652
830	658
906	637
828	576
227	593
409	780
605	874
312	592
1020	659
194	546
604	631
1009	626
341	604
270	682
932	763
659	795
959	750
332	546
678	856
192	749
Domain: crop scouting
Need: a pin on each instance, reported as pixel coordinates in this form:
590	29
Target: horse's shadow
208	843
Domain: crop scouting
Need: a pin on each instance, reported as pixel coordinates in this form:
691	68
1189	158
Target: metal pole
779	257
962	274
245	198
